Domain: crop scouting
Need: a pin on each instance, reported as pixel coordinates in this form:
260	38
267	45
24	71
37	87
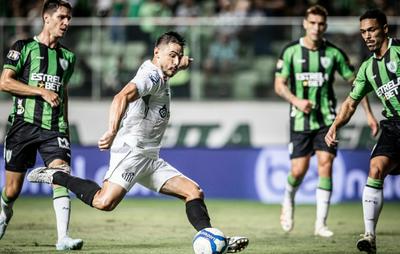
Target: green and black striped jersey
383	76
37	65
310	75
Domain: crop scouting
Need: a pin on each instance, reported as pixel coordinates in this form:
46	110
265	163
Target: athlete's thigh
158	174
389	142
319	143
20	147
300	144
54	146
182	187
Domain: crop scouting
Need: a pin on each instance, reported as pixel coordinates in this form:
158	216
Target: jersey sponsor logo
312	79
325	61
389	89
392	66
13	55
63	143
20	108
64	63
47	81
128	176
8	155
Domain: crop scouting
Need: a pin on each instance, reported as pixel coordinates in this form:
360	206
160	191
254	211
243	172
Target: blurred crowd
194	8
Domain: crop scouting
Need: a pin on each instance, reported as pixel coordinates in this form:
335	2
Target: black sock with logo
84	189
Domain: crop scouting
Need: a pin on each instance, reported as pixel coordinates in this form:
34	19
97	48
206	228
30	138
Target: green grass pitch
160	227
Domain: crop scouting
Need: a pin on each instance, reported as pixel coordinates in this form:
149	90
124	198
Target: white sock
6	209
372	201
290	193
62	209
323	202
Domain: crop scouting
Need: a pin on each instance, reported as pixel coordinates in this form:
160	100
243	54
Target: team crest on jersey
163	111
8	155
325	61
63	63
392	66
13	55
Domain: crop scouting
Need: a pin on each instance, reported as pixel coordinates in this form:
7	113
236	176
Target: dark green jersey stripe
37	65
311	75
383	76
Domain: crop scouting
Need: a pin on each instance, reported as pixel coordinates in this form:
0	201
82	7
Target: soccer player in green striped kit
36	73
305	77
379	73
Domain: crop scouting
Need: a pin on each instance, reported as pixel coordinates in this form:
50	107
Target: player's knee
104	204
12	191
376	171
195	193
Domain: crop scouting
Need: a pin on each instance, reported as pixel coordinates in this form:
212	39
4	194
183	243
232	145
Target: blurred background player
36	73
379	73
138	118
304	77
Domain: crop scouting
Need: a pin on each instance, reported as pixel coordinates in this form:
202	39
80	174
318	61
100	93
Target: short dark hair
169	37
375	14
51	6
317	10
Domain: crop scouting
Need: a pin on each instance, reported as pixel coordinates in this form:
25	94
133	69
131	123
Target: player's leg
372	200
168	180
10	192
323	192
300	150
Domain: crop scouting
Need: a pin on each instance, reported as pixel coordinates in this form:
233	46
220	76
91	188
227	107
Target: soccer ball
210	241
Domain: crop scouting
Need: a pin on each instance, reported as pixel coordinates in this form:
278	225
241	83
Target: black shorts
389	141
23	140
307	142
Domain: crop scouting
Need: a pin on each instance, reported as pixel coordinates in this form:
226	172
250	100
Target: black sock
83	189
197	214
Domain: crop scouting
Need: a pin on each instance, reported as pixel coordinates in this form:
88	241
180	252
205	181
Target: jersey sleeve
361	85
146	82
14	57
71	68
283	64
346	70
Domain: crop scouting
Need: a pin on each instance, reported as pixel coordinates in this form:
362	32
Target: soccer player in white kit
138	118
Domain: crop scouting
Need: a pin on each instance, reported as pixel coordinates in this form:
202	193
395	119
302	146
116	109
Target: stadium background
228	129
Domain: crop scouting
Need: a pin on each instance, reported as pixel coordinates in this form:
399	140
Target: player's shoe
237	243
322	230
45	174
67	243
4	223
367	243
287	215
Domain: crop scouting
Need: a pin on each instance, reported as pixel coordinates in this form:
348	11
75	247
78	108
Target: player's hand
303	105
51	97
185	62
106	140
373	124
330	137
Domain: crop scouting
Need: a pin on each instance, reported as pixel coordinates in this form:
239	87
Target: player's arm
347	110
9	84
117	110
282	89
185	63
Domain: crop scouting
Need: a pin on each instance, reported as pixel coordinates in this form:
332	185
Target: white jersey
146	119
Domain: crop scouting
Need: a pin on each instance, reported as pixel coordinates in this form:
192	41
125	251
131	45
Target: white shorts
128	167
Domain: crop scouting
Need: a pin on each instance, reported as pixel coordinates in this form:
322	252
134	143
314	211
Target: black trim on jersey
146	100
319	116
392	76
304	66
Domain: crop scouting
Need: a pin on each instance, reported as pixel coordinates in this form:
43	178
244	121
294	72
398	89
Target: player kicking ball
138	118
